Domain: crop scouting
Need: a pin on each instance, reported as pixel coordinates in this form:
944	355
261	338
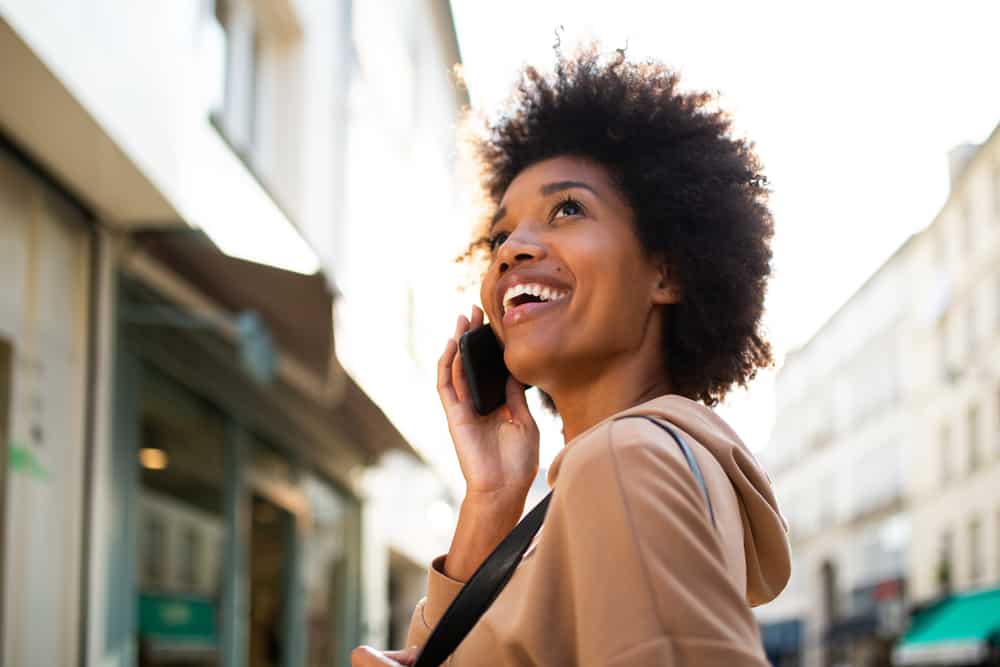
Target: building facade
886	449
838	458
399	228
189	466
955	488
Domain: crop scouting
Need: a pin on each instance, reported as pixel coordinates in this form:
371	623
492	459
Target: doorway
271	531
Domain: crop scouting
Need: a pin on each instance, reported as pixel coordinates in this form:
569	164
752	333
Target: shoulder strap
482	588
688	456
486	583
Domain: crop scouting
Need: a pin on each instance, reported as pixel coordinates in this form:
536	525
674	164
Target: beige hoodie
628	568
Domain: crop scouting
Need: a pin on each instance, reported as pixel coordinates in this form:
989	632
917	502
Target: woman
639	226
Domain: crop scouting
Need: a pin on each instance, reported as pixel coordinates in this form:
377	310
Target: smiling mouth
520	295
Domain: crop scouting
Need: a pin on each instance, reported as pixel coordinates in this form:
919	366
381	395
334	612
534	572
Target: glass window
214	46
996	553
154	536
944	463
945	560
972	428
325	568
182	465
237	36
190	558
270	539
406	585
975	551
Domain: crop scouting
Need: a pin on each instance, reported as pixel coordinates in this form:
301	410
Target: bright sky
853	106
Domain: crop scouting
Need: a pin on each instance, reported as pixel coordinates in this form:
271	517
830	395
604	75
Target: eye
497	240
567	208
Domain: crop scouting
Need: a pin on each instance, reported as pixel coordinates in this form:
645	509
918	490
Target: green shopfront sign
176	621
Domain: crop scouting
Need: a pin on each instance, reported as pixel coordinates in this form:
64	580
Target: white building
955	488
399	228
174	489
886	449
838	459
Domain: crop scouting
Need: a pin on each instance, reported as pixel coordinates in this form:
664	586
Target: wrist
484	519
496	503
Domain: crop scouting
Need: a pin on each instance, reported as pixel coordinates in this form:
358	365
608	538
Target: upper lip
525	278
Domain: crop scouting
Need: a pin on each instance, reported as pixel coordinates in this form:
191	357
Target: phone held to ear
485	371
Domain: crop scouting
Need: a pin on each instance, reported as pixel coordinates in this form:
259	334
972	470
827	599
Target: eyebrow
559	186
546	190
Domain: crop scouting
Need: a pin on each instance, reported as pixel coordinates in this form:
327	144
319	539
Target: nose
521	246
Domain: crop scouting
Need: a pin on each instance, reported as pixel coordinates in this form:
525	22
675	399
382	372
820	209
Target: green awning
955	631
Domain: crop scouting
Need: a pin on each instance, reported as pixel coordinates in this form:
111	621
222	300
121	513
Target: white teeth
543	292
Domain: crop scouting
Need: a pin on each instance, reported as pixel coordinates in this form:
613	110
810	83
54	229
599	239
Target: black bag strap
490	578
482	588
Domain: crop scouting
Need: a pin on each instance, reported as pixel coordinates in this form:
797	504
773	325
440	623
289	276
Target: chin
525	371
532	369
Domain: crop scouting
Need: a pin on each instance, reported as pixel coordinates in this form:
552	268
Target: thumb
518	402
406	656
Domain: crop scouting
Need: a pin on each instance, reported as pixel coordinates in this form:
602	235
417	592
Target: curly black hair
698	195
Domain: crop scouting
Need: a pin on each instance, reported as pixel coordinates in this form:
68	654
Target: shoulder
632	454
629	478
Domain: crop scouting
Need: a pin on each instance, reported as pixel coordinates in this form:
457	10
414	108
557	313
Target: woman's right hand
498	452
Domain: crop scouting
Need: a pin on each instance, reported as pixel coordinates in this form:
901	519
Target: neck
618	388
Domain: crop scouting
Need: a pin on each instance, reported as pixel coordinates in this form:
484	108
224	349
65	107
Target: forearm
483	522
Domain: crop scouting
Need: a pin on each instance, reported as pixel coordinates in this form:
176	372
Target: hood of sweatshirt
765	531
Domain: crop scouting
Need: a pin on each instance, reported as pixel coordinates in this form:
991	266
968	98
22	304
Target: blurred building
193	478
400	227
839	462
954	492
886	449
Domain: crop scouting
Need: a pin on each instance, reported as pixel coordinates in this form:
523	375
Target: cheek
487	288
614	283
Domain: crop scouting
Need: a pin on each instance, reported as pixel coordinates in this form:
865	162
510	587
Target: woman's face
569	290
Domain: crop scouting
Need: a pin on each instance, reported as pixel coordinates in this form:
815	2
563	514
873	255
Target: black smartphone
485	371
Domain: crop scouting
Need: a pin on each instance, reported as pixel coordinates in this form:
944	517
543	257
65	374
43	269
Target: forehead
531	180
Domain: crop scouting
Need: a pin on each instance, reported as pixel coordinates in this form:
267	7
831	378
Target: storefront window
324	569
270	546
296	565
182	527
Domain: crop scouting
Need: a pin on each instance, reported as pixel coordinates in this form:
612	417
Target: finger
457	372
477	317
366	656
461	326
459	380
517	401
446	389
406	656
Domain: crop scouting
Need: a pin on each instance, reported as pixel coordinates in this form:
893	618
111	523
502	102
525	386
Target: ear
666	288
